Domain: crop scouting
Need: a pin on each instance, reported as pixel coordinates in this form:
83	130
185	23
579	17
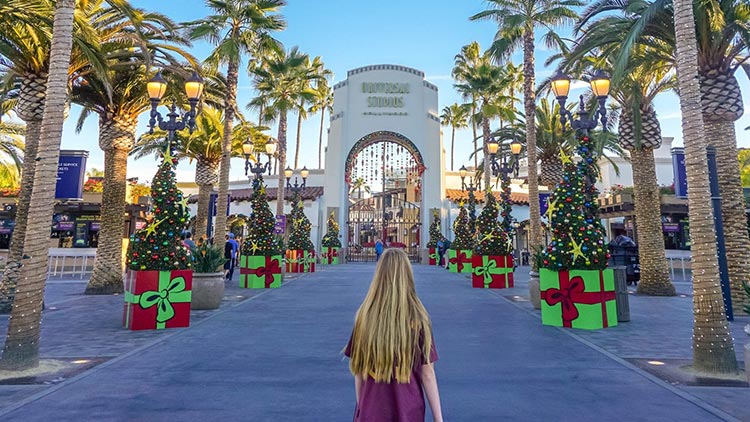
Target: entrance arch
383	173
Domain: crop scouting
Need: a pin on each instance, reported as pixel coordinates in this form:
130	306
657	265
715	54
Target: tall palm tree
323	104
11	154
284	83
318	68
713	347
235	28
21	349
457	117
134	40
469	57
517	20
204	146
24	58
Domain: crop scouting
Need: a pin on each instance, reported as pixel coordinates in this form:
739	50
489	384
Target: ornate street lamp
504	168
156	88
258	168
599	86
296	188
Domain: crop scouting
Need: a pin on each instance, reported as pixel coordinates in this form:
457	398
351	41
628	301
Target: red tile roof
456	195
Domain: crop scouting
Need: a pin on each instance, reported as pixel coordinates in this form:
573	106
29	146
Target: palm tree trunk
201	216
487	165
299	137
713	348
654	268
107	276
552	171
21	349
529	100
320	138
474	131
282	163
453	146
721	134
230	105
12	267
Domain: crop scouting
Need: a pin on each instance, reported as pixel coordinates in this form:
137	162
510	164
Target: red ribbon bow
459	260
572	292
272	267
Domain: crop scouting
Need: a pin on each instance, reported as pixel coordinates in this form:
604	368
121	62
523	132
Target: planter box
459	261
433	256
260	271
208	290
299	261
578	298
155	300
330	256
492	272
623	198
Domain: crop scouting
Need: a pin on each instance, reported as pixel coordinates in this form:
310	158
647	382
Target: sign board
65	226
670	227
139	225
280	226
71	169
680	175
543	203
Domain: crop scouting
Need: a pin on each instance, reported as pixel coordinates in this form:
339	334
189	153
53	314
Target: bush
207	258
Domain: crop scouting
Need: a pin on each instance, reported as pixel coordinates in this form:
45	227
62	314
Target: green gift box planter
260	271
330	256
155	300
578	298
459	261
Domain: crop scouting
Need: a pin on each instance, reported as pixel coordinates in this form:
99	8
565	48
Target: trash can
626	256
621	293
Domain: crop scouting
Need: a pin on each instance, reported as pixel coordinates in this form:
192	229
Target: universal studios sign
389	101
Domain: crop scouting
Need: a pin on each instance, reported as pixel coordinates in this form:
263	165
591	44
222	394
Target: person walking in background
229	253
446	246
378	249
235	250
187	241
391	327
441	250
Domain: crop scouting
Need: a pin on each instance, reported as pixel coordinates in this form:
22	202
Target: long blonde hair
391	323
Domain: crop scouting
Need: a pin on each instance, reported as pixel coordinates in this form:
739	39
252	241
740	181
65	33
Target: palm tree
358	184
25	45
11	152
318	68
235	28
204	146
21	349
457	117
713	348
467	59
517	20
284	83
134	39
323	104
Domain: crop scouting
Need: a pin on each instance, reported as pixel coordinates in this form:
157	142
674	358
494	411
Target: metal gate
386	217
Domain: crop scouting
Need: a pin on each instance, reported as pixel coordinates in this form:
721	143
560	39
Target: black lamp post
586	120
156	88
297	187
505	168
258	168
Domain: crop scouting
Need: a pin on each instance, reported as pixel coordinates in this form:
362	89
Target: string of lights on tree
331	238
464	237
435	233
158	246
577	234
299	238
492	239
260	240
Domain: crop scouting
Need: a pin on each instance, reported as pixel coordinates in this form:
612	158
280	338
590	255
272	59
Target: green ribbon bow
486	271
435	256
169	291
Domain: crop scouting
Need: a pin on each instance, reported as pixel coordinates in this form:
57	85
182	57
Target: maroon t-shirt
385	402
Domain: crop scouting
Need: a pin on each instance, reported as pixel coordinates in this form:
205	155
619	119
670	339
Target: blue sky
423	34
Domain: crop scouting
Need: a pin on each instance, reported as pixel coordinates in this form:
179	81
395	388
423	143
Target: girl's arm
357	385
429	382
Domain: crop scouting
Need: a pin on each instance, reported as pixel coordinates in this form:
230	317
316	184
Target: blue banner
71	169
543	203
680	175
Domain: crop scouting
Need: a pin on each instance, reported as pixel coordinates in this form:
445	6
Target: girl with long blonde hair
391	349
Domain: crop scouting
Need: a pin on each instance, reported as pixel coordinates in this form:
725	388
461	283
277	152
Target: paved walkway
275	355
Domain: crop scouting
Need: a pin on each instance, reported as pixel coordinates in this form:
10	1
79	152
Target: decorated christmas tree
435	233
260	237
506	221
158	246
493	240
472	208
577	234
331	238
462	230
299	239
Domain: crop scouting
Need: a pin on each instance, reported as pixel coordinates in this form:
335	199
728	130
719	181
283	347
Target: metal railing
681	264
70	263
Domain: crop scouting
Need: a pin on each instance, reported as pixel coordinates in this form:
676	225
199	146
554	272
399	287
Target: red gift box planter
578	298
300	261
492	272
459	261
329	256
155	300
434	256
